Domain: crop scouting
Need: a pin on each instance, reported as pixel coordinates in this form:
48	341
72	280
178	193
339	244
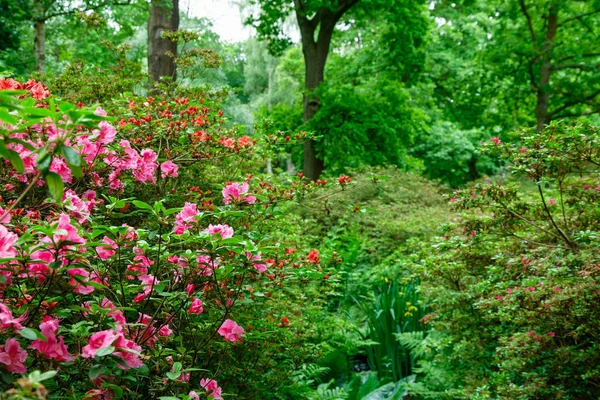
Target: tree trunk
315	57
542	113
162	18
39	44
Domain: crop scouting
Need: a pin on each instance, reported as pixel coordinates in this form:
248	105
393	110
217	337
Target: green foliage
366	123
451	155
397	310
513	283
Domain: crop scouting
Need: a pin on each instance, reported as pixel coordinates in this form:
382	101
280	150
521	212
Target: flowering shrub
514	283
129	298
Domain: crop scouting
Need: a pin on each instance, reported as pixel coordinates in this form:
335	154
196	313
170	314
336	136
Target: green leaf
73	159
12	156
173	375
21	142
96	371
47	375
142	205
72	156
39	112
117	390
177	367
105	351
55	185
32	334
43	162
6	117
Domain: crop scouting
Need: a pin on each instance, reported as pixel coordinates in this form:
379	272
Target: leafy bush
111	287
513	284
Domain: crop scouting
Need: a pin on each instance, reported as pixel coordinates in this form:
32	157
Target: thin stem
27	189
564	235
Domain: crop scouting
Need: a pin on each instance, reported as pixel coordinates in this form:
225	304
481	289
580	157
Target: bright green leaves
19	114
73	160
13	157
32	334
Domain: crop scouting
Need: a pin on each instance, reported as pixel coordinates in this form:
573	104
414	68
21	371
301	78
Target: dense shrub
513	284
156	267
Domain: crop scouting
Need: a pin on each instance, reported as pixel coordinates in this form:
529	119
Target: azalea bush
513	283
139	256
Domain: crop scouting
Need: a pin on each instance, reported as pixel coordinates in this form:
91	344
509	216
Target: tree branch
529	23
582	67
344	6
580	55
576	17
583	114
583	100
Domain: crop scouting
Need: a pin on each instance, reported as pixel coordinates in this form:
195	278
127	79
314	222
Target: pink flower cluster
127	350
235	193
231	331
212	387
185	218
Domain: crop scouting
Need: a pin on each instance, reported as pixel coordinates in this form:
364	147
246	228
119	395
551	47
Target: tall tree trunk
315	57
39	44
162	18
542	113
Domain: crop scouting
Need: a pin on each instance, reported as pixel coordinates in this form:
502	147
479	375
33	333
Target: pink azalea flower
13	356
98	340
117	315
145	166
260	267
129	352
169	168
64	223
190	289
165	331
39	92
7	320
196	307
211	386
76	206
105	252
7	241
61	168
185	217
82	275
495	140
147	281
236	193
52	347
193	395
551	334
100	111
206	264
4	217
107	133
231	331
224	230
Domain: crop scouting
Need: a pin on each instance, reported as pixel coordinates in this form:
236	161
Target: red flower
313	257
